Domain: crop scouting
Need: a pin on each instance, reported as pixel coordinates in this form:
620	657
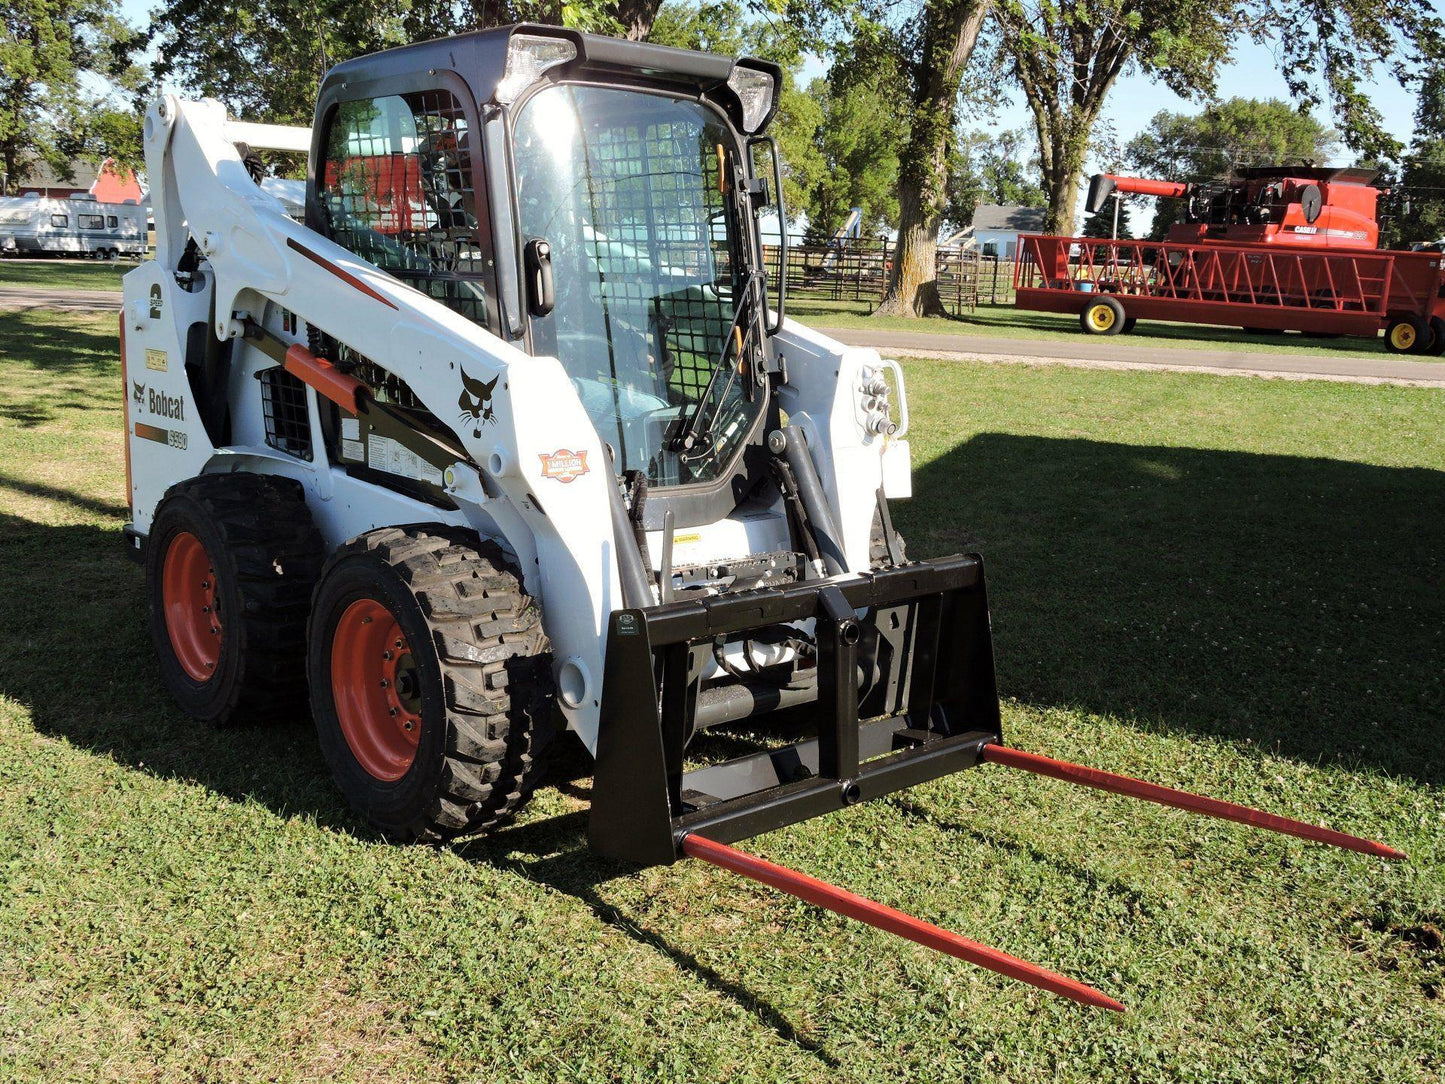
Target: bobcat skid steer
511	435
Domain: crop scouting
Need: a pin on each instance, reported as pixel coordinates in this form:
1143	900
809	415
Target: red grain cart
1266	287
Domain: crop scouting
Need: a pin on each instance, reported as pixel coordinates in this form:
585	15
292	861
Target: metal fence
858	272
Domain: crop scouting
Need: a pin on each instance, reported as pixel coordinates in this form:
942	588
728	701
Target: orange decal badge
564	466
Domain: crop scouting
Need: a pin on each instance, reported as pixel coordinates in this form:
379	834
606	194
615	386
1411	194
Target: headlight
528	56
755	94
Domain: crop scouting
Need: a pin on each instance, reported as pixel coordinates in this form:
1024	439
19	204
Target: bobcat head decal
137	392
476	401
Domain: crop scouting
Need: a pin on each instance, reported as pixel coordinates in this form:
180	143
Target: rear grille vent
283	406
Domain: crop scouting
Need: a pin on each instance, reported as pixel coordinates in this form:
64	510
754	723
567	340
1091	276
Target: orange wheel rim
191	606
376	688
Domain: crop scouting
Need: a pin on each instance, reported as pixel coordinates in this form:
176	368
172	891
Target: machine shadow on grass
1294	603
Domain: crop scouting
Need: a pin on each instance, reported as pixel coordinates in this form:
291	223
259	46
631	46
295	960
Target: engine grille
284	409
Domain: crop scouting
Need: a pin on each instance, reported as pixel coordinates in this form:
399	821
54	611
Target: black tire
264	553
1437	330
1102	315
479	672
1408	335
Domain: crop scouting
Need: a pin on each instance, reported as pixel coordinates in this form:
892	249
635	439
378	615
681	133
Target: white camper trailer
37	226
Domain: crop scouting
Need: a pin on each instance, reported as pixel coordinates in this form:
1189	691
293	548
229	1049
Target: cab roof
480	59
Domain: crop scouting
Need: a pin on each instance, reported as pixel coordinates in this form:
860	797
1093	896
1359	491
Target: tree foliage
991	168
63	69
1419	205
265	60
928	43
1215	142
853	159
1102	224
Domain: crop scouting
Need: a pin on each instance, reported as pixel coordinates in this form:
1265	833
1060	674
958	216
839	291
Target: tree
1067	54
1102	224
929	44
853	159
51	52
723	26
990	169
1214	143
1422	178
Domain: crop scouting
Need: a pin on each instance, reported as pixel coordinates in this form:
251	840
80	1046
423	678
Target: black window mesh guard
285	413
659	240
398	191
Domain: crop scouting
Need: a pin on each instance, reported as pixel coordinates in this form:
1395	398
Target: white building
995	229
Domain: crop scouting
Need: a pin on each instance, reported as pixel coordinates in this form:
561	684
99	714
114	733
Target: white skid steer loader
512	434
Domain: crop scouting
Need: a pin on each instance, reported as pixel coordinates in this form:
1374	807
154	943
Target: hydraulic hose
633	576
790	443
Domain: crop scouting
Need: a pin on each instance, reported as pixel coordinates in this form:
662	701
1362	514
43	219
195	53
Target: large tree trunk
950	31
1063	169
636	17
1065	88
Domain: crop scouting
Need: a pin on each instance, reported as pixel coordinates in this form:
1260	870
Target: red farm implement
1109	284
1274	249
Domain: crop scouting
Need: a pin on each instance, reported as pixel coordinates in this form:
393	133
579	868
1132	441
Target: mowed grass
1005	321
65	274
1228	584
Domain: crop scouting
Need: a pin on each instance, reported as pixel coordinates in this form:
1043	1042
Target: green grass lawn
65	274
1229	584
1005	321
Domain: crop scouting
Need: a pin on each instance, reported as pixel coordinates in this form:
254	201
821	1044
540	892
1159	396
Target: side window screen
91	222
111	221
397	190
60	221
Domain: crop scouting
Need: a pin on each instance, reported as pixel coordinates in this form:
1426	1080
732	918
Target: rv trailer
37	226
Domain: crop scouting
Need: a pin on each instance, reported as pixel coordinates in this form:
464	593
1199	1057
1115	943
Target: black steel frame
939	707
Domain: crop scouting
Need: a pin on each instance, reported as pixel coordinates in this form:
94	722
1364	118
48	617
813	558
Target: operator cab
586	198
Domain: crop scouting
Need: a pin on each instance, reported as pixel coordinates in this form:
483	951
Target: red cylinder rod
1180	799
1146	187
327	379
886	918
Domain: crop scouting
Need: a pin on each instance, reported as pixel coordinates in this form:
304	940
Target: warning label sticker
157	360
385	454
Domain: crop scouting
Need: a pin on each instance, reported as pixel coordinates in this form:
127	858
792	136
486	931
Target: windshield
623	186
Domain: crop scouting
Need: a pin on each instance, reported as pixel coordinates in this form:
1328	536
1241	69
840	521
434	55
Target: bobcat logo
138	393
476	401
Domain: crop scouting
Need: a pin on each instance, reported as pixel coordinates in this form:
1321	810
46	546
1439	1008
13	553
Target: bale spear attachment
901	692
1180	799
850	905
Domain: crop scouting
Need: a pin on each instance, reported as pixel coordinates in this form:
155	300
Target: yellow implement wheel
1408	335
1102	316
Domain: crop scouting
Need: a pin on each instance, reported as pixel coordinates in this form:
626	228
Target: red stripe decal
345	276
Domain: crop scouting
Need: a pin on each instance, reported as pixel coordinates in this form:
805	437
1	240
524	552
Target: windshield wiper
699	422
